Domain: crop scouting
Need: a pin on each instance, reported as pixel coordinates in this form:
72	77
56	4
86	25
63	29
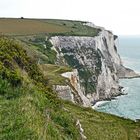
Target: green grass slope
33	114
29	109
102	126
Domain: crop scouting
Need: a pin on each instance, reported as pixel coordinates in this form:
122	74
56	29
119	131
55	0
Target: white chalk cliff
97	66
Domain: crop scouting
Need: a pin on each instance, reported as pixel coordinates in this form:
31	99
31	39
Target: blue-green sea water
127	106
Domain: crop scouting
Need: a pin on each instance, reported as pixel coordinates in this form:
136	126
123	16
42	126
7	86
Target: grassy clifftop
51	27
29	109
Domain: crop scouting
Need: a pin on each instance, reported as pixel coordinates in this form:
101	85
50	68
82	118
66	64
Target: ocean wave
99	104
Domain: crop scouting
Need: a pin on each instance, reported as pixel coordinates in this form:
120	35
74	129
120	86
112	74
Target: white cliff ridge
97	65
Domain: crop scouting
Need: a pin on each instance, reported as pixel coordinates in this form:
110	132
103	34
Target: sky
120	16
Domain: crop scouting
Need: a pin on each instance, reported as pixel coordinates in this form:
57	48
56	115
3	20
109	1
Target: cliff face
97	62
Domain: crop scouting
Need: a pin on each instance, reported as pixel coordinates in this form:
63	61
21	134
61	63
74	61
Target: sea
127	106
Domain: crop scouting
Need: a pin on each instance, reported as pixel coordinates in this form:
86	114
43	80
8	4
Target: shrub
13	57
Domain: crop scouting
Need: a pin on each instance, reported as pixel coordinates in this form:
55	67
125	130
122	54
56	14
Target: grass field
29	26
17	26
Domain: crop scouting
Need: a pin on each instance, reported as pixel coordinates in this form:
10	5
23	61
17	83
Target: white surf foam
98	104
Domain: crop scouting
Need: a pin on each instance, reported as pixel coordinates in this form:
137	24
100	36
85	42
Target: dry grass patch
29	26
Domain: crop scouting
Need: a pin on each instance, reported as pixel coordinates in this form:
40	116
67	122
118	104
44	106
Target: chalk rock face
72	92
97	65
79	97
64	92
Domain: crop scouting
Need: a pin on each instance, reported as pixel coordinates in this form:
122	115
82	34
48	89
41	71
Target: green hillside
29	109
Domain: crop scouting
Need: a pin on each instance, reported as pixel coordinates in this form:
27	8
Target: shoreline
99	103
124	91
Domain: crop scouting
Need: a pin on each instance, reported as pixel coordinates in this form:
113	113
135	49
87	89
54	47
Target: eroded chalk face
96	60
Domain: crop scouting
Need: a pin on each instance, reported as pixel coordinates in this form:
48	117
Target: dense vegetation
46	50
29	109
13	59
